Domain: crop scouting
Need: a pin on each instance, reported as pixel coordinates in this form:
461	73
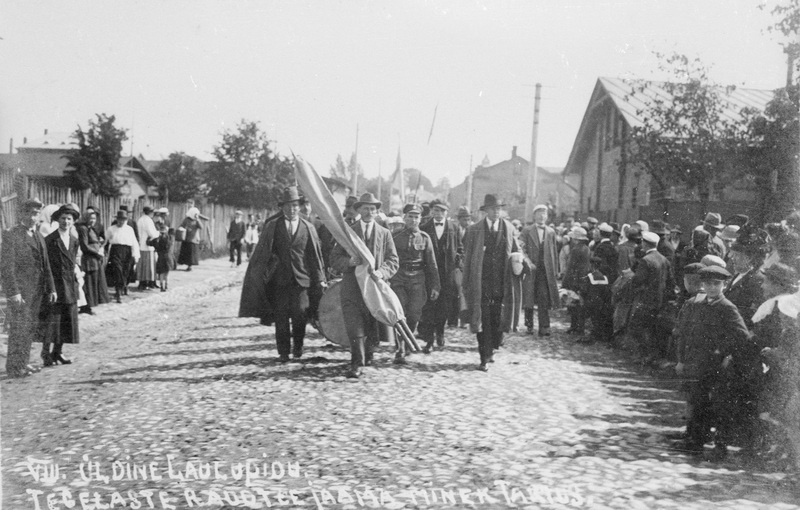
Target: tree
96	159
684	136
345	173
246	172
180	177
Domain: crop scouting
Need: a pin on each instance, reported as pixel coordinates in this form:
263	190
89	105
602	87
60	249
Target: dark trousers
577	316
541	296
412	294
290	303
437	314
491	335
701	416
236	248
362	328
23	328
644	329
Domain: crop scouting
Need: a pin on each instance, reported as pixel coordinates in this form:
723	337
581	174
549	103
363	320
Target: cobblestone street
181	405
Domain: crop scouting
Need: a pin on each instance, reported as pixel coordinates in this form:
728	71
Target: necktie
494	226
439	224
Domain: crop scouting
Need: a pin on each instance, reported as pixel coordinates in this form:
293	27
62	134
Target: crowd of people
58	263
719	308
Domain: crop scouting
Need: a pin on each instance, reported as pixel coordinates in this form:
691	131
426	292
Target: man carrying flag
362	328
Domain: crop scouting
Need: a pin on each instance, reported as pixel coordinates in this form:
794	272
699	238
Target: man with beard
284	277
449	251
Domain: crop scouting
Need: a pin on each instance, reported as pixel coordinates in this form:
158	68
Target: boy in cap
708	335
418	276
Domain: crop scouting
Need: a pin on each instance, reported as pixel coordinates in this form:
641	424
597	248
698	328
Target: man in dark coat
28	283
236	233
488	245
62	316
284	277
418	276
649	287
449	252
540	287
362	329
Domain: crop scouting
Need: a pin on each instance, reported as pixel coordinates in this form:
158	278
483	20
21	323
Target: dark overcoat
25	268
449	254
530	240
746	294
62	264
261	270
650	281
474	241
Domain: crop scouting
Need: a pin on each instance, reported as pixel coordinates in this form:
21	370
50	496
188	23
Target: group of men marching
442	271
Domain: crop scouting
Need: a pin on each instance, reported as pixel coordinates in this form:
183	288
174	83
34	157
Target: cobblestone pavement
182	405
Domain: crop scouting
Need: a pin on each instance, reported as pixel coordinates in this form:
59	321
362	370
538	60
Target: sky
178	73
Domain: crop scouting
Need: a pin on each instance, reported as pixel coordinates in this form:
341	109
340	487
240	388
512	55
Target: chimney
11	146
24	140
45	132
514	152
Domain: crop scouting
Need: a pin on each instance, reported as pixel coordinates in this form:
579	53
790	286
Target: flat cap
439	204
692	268
650	237
412	208
714	273
605	227
713	260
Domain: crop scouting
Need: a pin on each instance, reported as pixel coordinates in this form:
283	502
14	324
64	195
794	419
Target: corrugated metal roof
630	100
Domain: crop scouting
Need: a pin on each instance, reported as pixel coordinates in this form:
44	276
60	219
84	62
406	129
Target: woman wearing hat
190	245
94	281
577	267
61	324
123	249
777	332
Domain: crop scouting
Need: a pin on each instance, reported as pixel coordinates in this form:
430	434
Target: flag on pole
379	297
432	123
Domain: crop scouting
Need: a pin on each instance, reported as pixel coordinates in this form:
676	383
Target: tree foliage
96	159
345	172
684	136
180	177
247	173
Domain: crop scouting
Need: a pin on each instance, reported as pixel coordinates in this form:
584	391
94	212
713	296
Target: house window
634	194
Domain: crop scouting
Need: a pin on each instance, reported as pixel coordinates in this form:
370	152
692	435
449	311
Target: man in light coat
146	268
540	287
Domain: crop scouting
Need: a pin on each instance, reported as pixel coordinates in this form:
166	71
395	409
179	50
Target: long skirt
61	324
94	287
146	268
119	260
189	254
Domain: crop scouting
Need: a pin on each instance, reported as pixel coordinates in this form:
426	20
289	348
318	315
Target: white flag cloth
379	297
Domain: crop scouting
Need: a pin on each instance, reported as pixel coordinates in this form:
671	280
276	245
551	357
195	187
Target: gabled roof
630	102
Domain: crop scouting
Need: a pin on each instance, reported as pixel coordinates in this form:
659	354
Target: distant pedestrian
146	267
92	256
577	266
236	235
190	242
251	236
28	283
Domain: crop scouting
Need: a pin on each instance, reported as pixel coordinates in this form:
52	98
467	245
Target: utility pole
469	185
379	179
532	169
355	170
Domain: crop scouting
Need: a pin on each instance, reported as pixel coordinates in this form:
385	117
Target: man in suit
28	282
62	317
449	251
649	288
236	233
488	245
362	328
417	277
540	287
285	276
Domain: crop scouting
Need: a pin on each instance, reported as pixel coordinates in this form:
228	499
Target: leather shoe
353	374
57	358
427	348
283	358
400	360
47	360
484	367
544	332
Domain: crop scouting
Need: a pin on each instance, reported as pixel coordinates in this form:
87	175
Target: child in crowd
163	246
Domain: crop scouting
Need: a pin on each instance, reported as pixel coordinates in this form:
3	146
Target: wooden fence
15	188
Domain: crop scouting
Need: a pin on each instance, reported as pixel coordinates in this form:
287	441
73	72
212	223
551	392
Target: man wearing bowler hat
488	245
362	328
540	288
284	278
449	251
417	278
28	284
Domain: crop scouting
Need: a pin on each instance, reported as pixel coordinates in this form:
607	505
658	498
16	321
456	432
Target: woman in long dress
190	246
94	286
